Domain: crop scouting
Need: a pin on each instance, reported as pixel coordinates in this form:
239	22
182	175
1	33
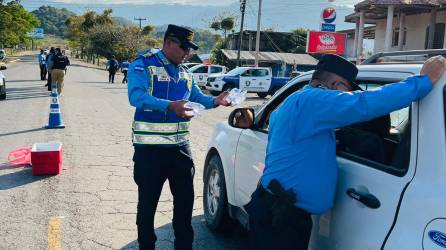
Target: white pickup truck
252	79
201	72
398	203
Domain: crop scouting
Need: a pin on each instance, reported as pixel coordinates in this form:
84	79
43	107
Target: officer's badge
162	74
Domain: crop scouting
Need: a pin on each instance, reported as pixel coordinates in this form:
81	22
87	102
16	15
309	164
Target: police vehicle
395	204
252	79
201	72
2	83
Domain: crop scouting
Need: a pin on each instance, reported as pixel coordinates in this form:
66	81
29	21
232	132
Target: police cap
183	34
335	64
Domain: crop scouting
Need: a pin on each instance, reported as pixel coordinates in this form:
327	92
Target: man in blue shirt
124	69
160	89
42	64
300	172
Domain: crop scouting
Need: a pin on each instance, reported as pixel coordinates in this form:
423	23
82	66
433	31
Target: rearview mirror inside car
242	118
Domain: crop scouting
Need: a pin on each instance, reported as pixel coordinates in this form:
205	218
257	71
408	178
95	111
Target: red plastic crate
46	158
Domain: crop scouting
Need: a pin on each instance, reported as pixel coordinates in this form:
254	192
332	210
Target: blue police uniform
42	66
160	139
124	70
301	151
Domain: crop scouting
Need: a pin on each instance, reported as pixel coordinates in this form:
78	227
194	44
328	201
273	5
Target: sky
348	3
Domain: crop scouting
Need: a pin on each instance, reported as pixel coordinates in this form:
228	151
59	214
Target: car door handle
268	79
367	199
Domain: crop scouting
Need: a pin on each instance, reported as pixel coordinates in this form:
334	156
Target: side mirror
3	67
242	118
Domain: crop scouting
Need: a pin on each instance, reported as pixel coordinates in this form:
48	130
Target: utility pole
258	34
242	9
140	20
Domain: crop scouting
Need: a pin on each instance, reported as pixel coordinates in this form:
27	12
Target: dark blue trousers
153	166
293	234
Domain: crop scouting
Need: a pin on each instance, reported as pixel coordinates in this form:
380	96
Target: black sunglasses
175	40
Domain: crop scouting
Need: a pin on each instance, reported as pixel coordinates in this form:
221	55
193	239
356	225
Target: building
422	23
282	64
270	41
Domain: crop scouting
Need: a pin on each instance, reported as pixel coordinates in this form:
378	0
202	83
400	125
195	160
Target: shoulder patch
139	68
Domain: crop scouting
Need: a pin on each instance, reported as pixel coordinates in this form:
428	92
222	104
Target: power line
140	21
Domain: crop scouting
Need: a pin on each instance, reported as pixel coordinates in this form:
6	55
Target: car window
260	72
382	143
249	72
216	69
202	69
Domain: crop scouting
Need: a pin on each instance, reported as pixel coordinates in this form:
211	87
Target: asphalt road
92	204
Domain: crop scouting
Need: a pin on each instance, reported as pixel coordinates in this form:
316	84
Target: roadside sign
328	27
36	33
326	42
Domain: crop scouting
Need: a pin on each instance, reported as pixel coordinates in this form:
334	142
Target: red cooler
46	158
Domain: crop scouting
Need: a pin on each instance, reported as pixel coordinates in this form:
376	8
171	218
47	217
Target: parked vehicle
395	204
2	83
252	79
190	65
201	72
2	54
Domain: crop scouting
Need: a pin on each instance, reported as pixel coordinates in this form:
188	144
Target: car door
200	75
215	70
251	147
369	190
256	80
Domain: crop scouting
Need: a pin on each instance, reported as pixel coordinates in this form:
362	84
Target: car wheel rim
213	194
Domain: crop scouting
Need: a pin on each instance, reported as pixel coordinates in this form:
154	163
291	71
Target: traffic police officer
300	172
159	88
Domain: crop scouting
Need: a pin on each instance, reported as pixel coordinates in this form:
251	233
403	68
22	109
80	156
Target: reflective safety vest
165	81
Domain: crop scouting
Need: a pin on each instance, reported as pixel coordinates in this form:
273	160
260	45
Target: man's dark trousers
111	76
125	76
153	165
42	72
293	234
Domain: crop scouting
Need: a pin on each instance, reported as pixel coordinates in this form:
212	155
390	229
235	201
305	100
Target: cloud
189	2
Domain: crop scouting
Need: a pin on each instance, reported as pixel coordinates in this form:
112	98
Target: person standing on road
124	69
159	88
300	172
112	66
42	64
49	67
60	63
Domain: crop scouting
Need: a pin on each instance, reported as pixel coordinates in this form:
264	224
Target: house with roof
397	25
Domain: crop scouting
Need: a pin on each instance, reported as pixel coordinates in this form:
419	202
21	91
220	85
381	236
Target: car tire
214	93
262	95
215	201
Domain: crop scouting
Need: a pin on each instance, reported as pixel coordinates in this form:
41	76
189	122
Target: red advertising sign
326	42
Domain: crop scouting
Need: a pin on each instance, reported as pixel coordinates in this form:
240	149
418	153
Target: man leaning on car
300	172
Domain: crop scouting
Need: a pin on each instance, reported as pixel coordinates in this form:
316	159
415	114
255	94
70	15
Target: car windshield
192	69
236	71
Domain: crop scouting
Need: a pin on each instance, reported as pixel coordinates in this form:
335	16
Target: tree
216	25
15	23
52	20
227	23
148	29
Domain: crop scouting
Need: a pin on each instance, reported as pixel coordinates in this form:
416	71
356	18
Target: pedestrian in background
42	64
300	174
160	134
49	67
60	63
112	66
124	69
